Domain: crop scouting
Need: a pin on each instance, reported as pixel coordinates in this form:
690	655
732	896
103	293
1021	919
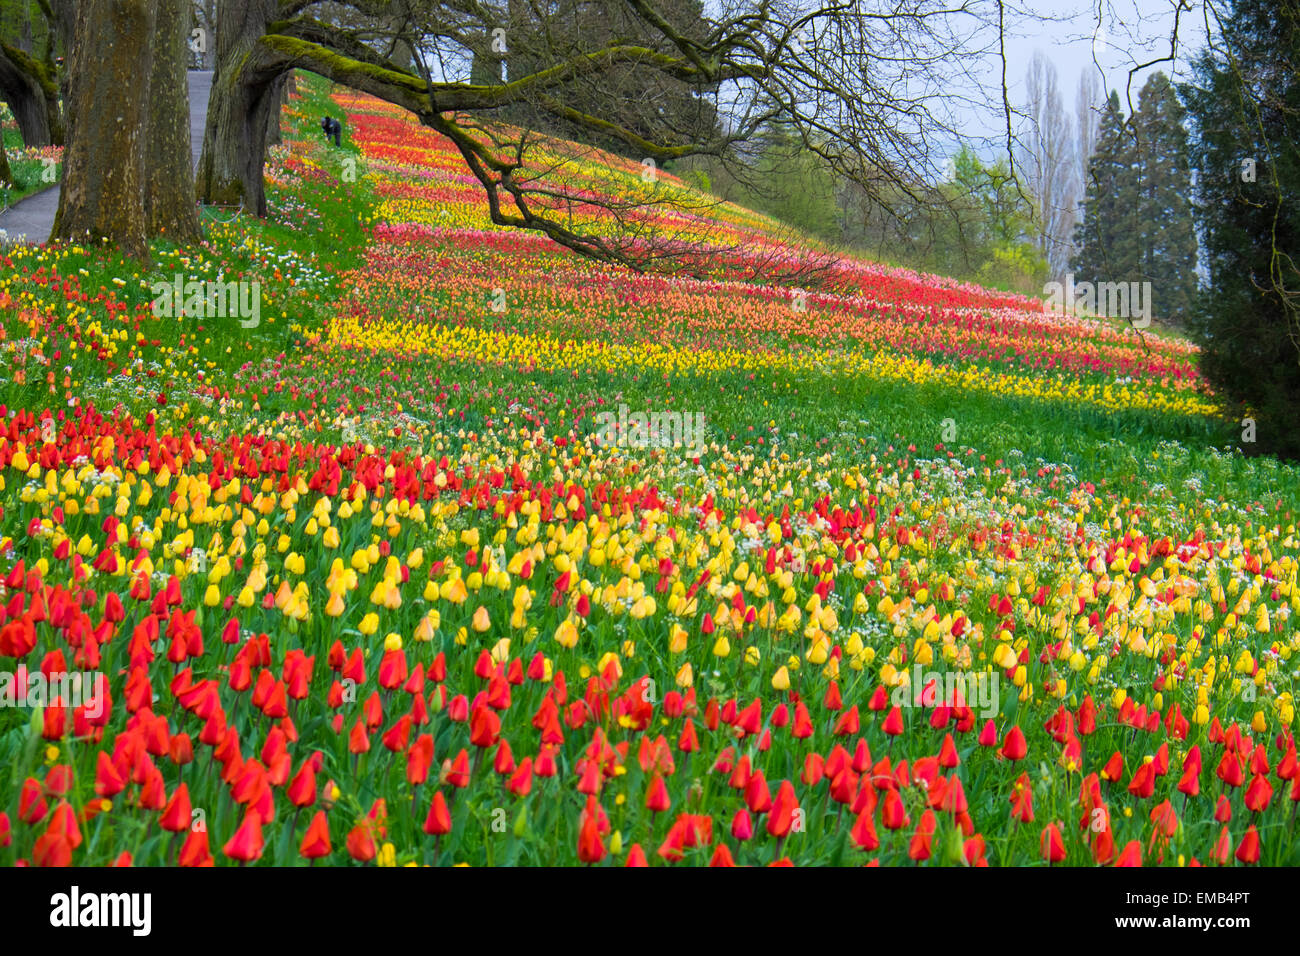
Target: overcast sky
1132	32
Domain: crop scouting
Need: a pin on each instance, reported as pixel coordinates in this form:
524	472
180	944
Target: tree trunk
169	166
279	94
25	39
28	87
6	175
102	196
210	23
65	20
234	137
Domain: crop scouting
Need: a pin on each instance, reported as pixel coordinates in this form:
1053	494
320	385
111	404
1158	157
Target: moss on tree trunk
235	135
28	86
102	196
169	169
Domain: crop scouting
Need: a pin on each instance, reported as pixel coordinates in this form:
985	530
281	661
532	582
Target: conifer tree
1137	219
1108	216
1244	105
1162	249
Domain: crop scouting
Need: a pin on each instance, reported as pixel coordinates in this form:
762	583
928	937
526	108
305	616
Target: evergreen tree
1108	219
1137	220
1162	248
1244	106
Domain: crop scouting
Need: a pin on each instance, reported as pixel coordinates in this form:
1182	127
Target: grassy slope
318	233
321	220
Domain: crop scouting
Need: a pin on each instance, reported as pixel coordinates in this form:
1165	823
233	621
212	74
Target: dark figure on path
333	130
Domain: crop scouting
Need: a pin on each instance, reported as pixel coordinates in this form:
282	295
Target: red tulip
848	723
1014	746
863	833
1190	782
636	856
177	815
948	753
194	851
52	850
1223	809
892	812
246	845
1258	794
814	768
419	758
361	843
802	727
1114	768
784	810
591	848
749	720
438	820
894	721
1230	770
521	781
1248	849
1051	844
921	846
485	727
1132	855
316	842
31	801
1143	783
656	799
757	797
722	856
108	782
1165	819
742	826
63	822
1022	799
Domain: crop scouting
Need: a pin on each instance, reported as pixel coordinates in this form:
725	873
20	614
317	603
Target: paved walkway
32	219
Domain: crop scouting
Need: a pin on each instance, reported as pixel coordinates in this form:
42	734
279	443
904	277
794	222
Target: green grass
323	220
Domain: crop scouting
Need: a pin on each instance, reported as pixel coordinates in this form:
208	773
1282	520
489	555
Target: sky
1131	32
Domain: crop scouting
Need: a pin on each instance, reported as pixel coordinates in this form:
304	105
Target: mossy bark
64	23
28	85
6	174
235	135
102	195
252	60
169	182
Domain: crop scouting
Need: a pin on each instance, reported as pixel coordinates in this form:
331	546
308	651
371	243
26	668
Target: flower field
424	569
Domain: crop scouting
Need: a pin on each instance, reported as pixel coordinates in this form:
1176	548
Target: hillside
471	550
